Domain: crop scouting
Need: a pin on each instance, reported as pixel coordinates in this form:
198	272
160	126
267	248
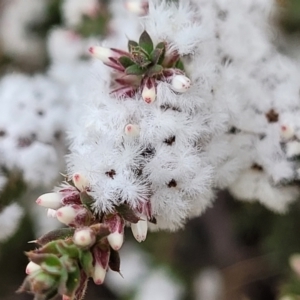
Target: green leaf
134	70
58	234
127	213
125	61
86	199
73	282
179	65
114	260
86	262
132	45
146	42
48	248
155	70
80	292
69	250
158	54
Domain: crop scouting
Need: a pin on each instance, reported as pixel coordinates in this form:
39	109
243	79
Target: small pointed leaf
127	213
62	233
155	70
179	65
132	45
86	262
125	61
158	54
69	250
134	70
146	42
73	282
100	230
81	290
86	199
114	260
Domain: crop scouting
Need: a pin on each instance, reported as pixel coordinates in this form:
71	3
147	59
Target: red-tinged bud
149	91
109	56
84	237
32	267
116	226
51	213
80	181
132	130
137	7
170	59
125	91
180	83
50	200
68	214
101	259
139	230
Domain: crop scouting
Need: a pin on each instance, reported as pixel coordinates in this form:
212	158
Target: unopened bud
286	132
149	91
99	274
31	267
84	237
139	230
116	226
101	258
67	214
50	200
132	130
137	7
80	181
102	53
116	240
180	83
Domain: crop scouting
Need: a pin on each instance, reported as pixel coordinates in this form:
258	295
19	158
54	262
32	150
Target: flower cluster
69	256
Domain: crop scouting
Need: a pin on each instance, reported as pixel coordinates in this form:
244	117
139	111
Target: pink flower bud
116	226
50	200
99	273
180	83
132	130
101	259
286	132
51	213
67	214
31	267
149	91
84	237
137	7
139	230
80	181
109	56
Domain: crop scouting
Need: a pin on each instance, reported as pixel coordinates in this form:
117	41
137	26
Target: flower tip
116	240
180	83
50	200
31	267
132	130
92	50
80	181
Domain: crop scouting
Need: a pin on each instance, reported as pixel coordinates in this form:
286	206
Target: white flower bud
66	214
51	213
139	230
132	130
84	237
292	148
180	83
115	240
80	181
286	132
102	53
149	93
31	267
99	273
50	200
